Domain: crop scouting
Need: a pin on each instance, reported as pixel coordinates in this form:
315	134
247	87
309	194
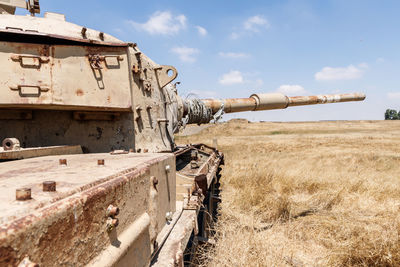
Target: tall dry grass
307	194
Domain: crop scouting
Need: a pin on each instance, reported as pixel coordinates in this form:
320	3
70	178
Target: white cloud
161	22
394	95
233	55
342	73
380	60
363	65
256	23
232	77
291	89
186	54
251	25
201	31
234	35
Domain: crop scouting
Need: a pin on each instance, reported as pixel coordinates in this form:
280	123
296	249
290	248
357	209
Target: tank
90	173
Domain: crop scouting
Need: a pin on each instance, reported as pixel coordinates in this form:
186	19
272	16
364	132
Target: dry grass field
307	194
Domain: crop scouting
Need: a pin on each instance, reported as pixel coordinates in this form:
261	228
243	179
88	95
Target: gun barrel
276	101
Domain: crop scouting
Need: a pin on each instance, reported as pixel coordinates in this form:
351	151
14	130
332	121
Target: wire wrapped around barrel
198	112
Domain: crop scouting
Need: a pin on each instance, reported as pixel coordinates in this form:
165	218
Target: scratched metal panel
25	74
104	84
69	227
62	77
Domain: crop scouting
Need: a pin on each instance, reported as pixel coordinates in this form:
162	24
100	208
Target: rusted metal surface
194	219
101	92
69	226
16	115
49	186
25	153
171	253
31	5
193	188
96	116
276	101
10	144
63	37
93	136
23	194
182	150
112	211
323	99
231	104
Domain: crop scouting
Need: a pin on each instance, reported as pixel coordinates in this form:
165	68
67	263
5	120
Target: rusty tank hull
107	209
89	170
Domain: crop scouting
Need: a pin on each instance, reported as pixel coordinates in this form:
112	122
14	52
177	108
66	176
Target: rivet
168	216
62	161
23	194
49	186
100	162
112	211
167	168
112	223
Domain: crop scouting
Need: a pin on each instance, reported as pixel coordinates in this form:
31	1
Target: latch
29	90
111	62
30	61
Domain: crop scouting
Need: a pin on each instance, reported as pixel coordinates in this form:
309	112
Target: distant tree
392	114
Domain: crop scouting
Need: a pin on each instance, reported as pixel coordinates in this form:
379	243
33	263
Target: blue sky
233	48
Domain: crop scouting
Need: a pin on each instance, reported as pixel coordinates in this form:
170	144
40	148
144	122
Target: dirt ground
307	194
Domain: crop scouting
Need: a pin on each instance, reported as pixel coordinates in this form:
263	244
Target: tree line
392	114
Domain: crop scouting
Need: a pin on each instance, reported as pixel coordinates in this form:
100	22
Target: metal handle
29	90
30	61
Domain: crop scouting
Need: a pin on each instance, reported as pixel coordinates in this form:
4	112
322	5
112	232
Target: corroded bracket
165	75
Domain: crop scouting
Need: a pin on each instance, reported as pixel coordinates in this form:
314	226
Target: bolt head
22	194
49	186
112	211
111	224
168	216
